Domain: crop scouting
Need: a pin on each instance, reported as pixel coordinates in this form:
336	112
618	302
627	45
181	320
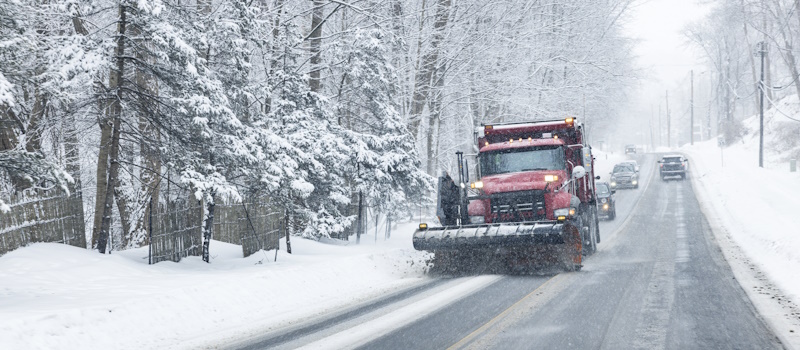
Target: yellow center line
461	343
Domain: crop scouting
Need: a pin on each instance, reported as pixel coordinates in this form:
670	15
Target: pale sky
665	55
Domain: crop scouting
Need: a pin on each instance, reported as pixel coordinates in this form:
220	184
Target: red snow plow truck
533	203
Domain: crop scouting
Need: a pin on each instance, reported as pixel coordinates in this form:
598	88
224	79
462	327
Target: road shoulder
779	313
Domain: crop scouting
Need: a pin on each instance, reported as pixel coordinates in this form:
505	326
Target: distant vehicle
630	149
635	164
672	165
624	175
606	206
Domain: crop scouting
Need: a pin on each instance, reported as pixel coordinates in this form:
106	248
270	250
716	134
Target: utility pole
652	114
691	108
762	49
669	144
660	130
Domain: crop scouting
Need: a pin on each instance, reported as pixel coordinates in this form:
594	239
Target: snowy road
658	281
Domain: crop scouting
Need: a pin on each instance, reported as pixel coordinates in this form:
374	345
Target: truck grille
518	206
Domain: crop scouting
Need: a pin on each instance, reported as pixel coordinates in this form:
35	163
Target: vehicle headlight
564	212
476	184
605	206
633	182
477	220
613	183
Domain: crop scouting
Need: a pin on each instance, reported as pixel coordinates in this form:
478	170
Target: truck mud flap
503	235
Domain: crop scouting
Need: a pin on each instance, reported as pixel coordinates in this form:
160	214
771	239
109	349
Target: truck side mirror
613	191
578	172
597	177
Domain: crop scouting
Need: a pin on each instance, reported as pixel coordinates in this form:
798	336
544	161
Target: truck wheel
596	228
589	233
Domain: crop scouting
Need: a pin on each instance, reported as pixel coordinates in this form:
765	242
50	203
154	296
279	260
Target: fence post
150	231
360	220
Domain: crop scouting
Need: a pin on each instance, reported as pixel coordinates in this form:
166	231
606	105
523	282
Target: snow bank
604	163
58	296
757	206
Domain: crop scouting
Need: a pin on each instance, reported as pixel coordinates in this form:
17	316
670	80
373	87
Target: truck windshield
523	159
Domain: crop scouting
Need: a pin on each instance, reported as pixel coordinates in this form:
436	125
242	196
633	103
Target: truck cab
527	173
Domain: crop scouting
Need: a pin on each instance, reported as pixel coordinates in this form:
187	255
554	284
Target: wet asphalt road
658	281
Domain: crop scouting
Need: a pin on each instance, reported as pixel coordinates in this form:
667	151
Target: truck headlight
476	184
477	220
564	212
634	182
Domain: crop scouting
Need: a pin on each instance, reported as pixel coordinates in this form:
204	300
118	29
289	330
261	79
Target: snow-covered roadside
753	212
604	163
58	296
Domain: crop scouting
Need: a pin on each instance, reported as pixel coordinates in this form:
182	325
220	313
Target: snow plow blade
505	235
514	244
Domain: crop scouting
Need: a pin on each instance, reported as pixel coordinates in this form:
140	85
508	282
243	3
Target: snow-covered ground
604	162
54	296
759	209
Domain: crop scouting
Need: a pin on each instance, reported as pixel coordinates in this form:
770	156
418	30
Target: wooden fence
47	216
253	224
176	231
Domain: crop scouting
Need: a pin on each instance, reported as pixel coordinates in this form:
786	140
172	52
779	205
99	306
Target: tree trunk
289	228
751	59
150	139
791	62
208	227
428	64
434	121
315	45
116	113
425	74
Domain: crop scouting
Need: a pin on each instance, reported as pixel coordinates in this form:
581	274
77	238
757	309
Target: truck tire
589	231
597	227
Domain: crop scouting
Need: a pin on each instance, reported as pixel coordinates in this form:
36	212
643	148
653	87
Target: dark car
606	206
672	165
624	175
630	149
